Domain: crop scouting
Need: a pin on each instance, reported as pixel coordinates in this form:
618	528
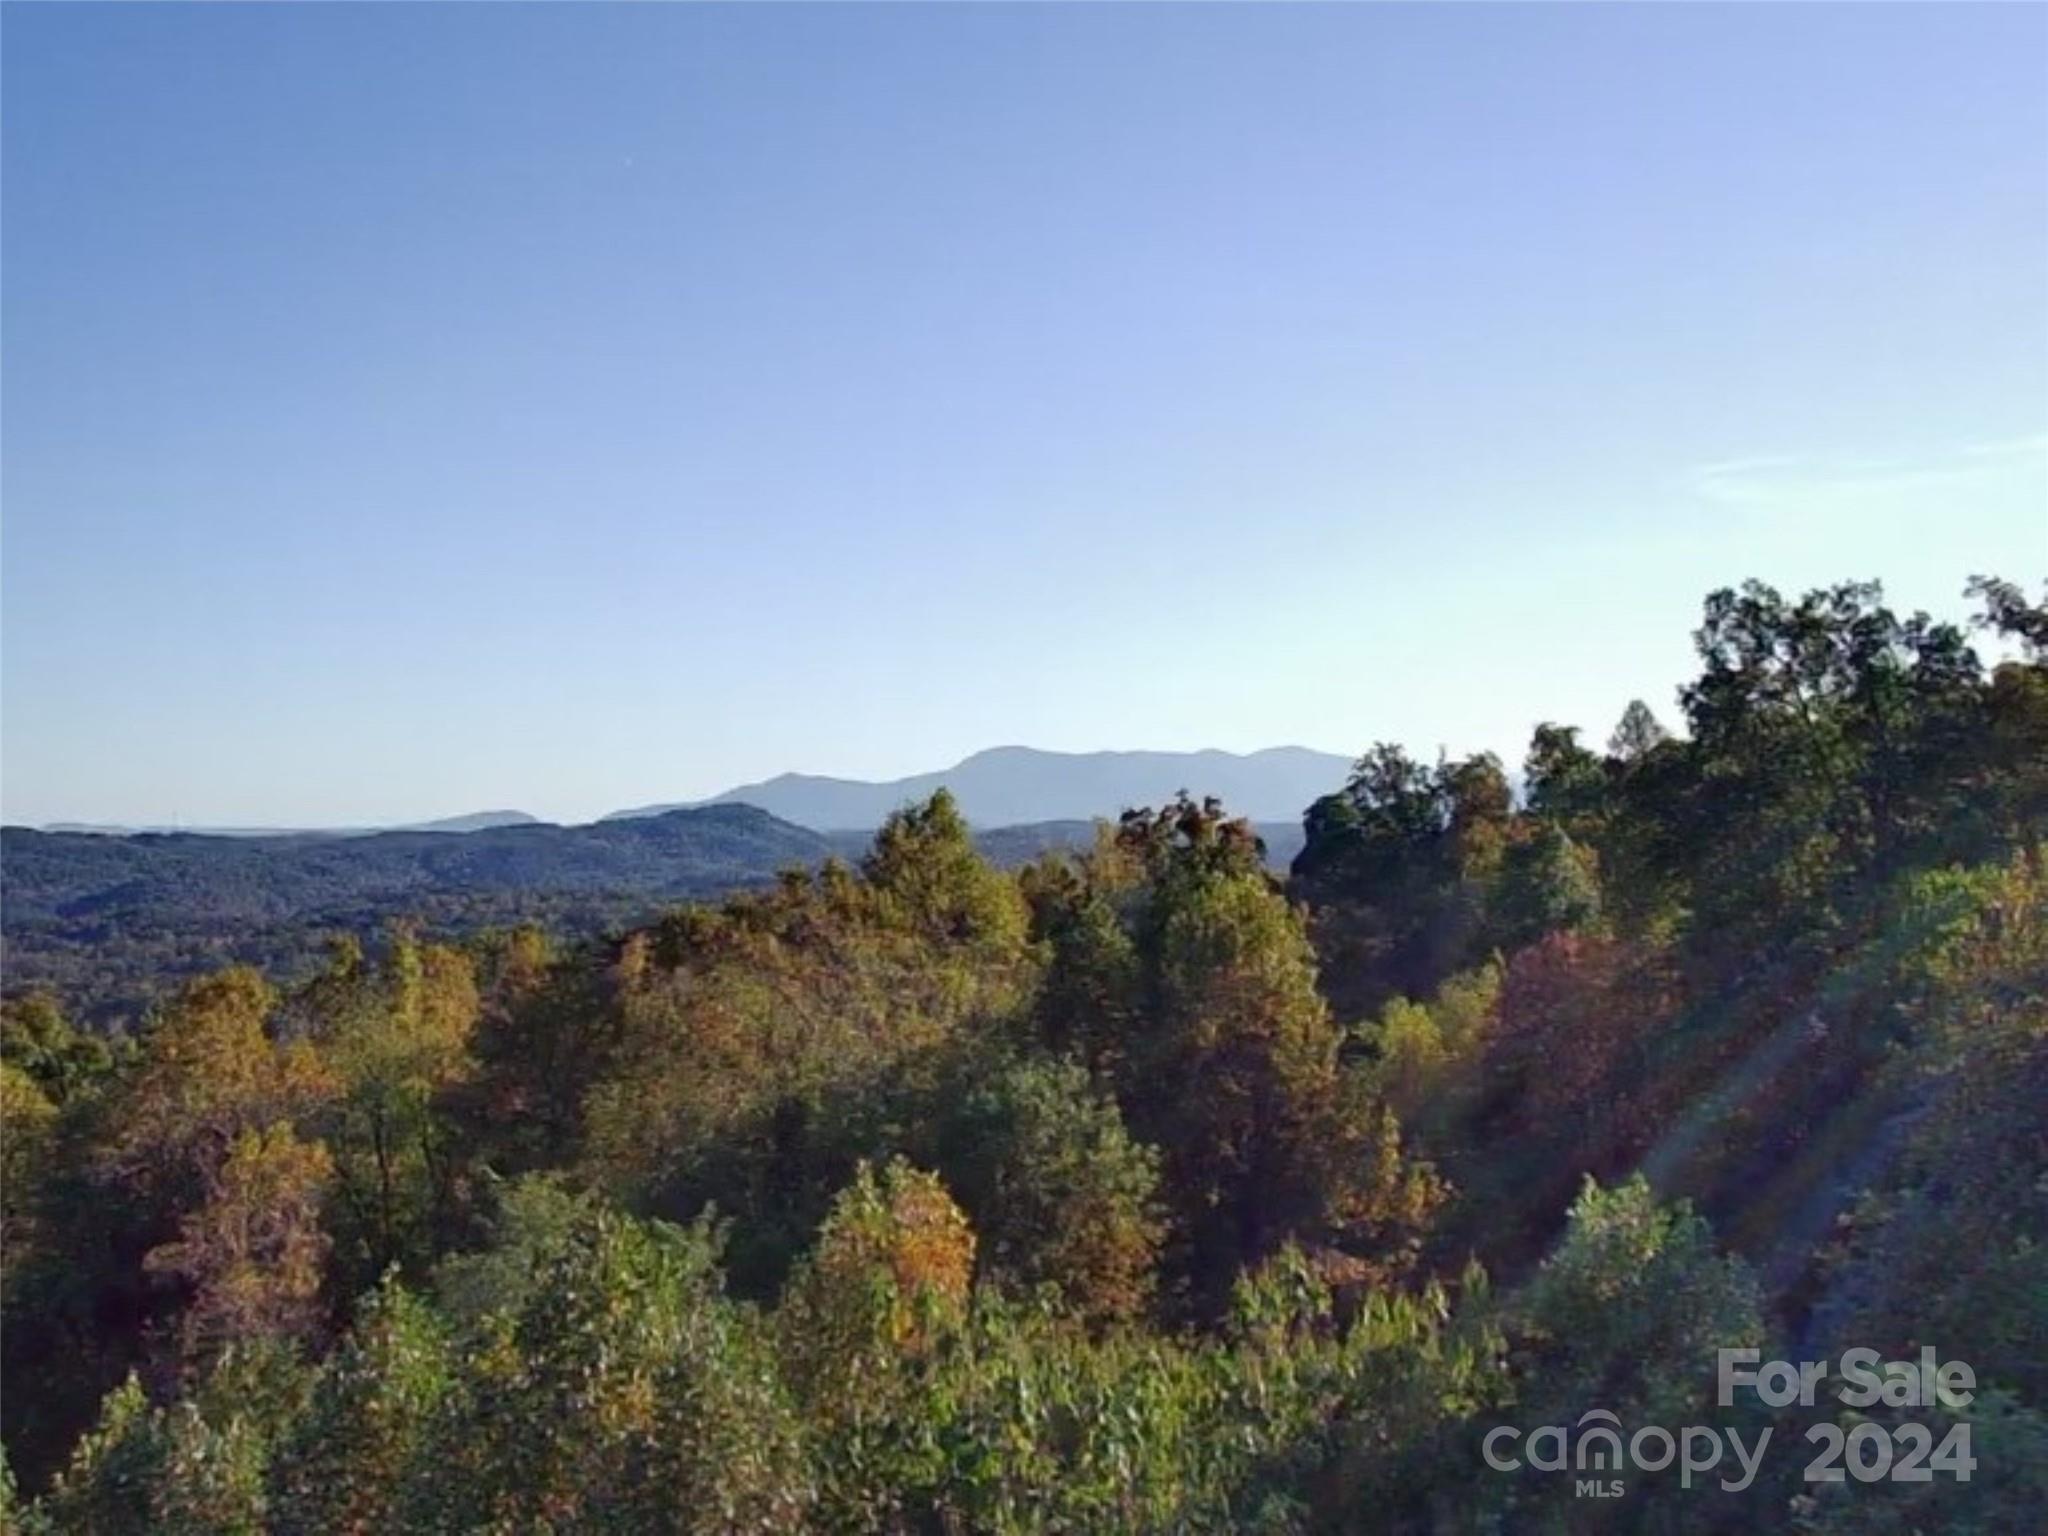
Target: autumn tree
395	1038
771	1043
1575	1012
208	1072
891	1267
252	1255
1235	1074
548	1024
1058	1191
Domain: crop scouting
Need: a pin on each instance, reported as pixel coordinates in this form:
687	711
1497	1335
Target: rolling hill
473	821
111	917
109	920
112	920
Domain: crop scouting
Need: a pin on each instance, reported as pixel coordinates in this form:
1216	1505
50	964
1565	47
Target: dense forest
114	924
1134	1188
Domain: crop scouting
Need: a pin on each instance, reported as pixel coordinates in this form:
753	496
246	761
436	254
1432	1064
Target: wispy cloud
2033	446
1755	464
1782	479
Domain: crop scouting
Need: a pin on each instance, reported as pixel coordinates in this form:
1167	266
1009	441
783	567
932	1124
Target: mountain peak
1013	784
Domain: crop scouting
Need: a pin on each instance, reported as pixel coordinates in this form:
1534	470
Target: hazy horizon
723	794
413	411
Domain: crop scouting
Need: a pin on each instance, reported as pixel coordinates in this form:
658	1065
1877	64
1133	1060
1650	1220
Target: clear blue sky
411	410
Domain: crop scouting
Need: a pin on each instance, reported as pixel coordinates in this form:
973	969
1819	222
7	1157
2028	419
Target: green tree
38	1041
1056	1188
925	869
626	1392
1088	999
193	1468
1637	734
1549	884
396	1039
1561	779
1822	731
1397	866
1236	1078
1630	1310
26	1121
359	1454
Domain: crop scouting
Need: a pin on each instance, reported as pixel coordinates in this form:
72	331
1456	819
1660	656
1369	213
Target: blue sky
409	410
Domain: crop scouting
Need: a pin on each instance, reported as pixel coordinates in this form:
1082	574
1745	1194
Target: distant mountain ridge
1001	787
474	821
111	920
111	916
1013	786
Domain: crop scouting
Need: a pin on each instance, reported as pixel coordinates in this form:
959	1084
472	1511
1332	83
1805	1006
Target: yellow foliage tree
891	1270
254	1253
395	1040
209	1072
26	1118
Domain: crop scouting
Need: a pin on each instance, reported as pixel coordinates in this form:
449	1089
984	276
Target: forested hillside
1131	1189
114	924
109	921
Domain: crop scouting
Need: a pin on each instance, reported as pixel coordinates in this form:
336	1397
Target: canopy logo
1596	1444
